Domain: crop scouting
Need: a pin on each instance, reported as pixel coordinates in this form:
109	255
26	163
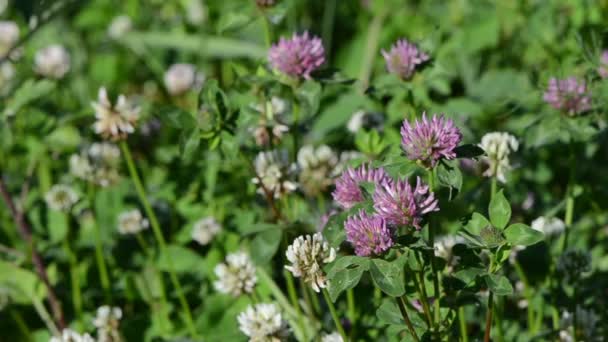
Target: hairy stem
406	318
334	315
159	237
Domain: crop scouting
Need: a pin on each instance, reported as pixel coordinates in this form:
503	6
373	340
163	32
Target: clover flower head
68	335
498	146
549	226
9	34
399	203
107	322
297	56
347	192
274	173
316	167
263	323
61	197
603	68
52	61
236	276
429	141
131	222
568	95
114	122
120	26
368	234
181	77
97	164
333	337
403	58
307	255
205	229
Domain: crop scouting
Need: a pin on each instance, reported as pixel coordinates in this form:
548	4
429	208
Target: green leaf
233	21
449	176
500	210
519	234
499	284
469	275
181	259
29	91
309	97
369	142
388	277
477	223
58	225
264	246
64	138
22	285
344	279
468	151
388	313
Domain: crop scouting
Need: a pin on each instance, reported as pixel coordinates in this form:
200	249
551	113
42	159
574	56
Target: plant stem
350	302
527	294
334	315
99	257
75	278
431	231
486	337
45	316
463	325
371	48
328	25
159	236
406	318
21	324
26	235
493	187
293	297
420	287
267	29
295	129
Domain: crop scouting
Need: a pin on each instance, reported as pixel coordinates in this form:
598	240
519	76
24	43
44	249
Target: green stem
527	294
293	297
493	187
45	316
267	29
371	48
159	236
406	318
490	308
464	337
295	128
568	216
21	324
421	288
334	315
99	257
350	303
431	231
75	279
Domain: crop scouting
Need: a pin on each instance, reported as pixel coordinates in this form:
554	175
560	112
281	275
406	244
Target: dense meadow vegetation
303	170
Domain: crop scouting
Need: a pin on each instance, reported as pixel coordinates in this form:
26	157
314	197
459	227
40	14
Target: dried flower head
549	225
131	222
120	26
498	146
368	234
428	141
236	276
205	229
107	322
603	69
53	61
307	255
403	58
401	204
347	192
298	56
9	34
114	122
61	197
68	335
316	167
181	77
263	323
265	3
274	173
568	95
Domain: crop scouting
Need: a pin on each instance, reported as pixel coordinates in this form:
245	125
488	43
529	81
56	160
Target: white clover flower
498	146
316	168
275	107
274	171
120	26
181	77
307	254
549	225
131	222
205	229
61	197
236	276
196	12
80	166
444	245
356	121
107	322
106	153
333	337
114	122
263	323
52	61
9	35
68	335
